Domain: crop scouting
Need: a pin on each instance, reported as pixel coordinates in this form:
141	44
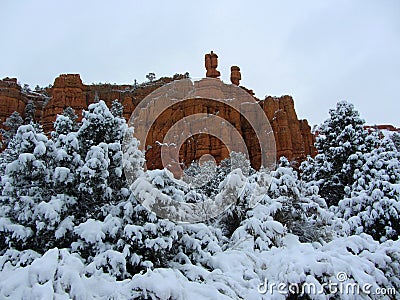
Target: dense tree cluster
72	226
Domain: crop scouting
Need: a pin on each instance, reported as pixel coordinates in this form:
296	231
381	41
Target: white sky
319	52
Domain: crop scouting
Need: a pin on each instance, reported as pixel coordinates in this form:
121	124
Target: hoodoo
293	136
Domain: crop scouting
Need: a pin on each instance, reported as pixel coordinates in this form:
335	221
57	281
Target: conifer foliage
73	226
338	138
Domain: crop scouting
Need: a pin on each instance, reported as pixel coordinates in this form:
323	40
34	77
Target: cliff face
14	98
11	98
68	90
293	136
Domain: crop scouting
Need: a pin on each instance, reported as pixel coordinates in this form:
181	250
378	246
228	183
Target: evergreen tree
30	110
12	123
338	138
372	203
300	209
151	76
65	123
29	213
117	109
93	187
396	140
99	126
100	146
133	159
70	113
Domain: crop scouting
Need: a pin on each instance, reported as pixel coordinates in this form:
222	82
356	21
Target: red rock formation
383	127
11	98
67	91
235	75
293	136
211	64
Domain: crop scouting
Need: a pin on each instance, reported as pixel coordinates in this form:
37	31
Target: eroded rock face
293	136
11	98
67	91
14	98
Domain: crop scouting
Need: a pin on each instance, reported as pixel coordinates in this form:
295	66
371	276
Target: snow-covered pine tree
339	137
207	177
99	126
30	214
301	210
117	108
100	144
372	203
233	197
65	123
396	140
66	178
212	188
285	205
12	123
29	113
93	189
133	159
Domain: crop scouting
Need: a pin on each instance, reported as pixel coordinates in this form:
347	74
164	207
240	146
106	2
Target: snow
61	174
72	228
91	231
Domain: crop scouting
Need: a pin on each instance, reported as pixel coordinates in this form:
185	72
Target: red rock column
67	91
11	98
235	75
211	64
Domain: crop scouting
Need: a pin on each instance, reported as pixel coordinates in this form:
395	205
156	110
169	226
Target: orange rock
235	75
293	136
211	64
67	91
11	98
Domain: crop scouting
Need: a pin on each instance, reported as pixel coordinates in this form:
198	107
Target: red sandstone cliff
14	98
11	98
293	137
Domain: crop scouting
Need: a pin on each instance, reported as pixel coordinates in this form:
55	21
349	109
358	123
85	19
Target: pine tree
65	123
93	187
99	126
300	209
117	108
29	212
30	110
396	140
339	137
372	204
12	123
133	159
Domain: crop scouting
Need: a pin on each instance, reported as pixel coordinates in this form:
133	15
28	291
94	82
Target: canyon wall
11	98
293	136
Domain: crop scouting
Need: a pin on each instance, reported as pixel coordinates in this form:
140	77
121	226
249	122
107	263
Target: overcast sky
319	52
